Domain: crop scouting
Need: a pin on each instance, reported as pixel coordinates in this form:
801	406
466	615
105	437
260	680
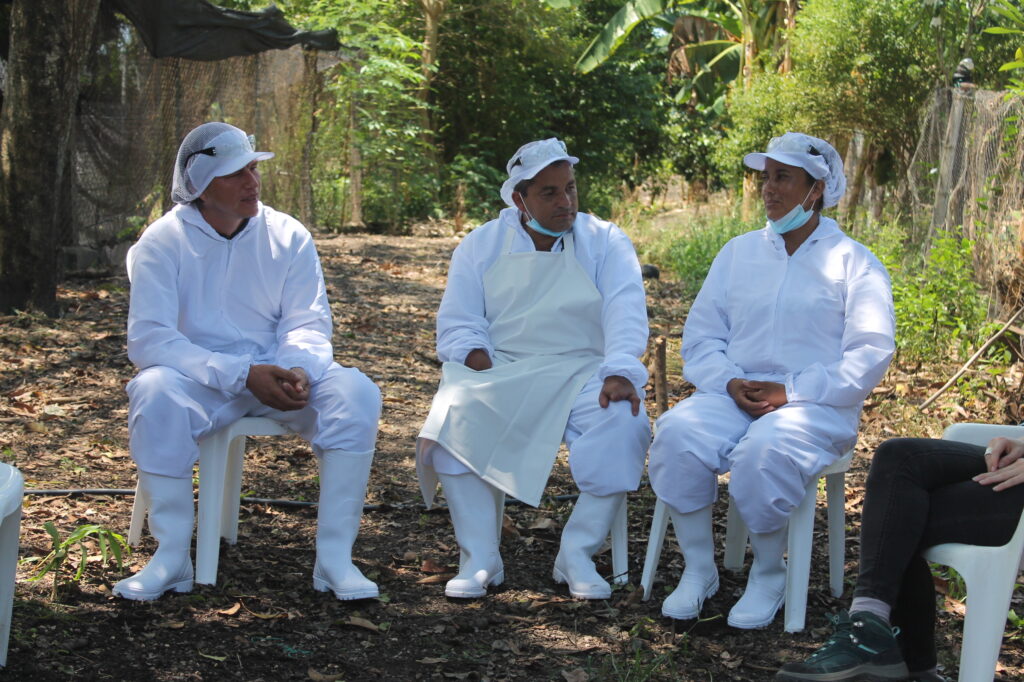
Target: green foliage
111	546
1013	17
940	308
640	666
689	250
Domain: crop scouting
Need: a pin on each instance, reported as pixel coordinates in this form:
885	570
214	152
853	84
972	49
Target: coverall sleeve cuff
624	366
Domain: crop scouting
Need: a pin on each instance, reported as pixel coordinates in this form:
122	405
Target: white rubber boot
699	581
584	533
472	503
766	584
171	517
343	477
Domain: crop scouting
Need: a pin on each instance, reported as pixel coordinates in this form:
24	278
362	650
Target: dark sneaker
862	647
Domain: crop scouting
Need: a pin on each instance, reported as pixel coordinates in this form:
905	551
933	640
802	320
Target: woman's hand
1004	463
1004	477
1002	452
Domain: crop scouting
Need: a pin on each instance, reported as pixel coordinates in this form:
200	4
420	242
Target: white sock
871	605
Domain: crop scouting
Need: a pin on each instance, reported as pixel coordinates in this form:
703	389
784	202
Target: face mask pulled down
536	226
796	218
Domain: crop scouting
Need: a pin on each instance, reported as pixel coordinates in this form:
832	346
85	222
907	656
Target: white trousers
771	458
607	446
168	413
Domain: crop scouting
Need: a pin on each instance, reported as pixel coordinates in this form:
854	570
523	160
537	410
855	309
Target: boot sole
182	586
321	585
681	615
496	580
868	672
760	625
562	579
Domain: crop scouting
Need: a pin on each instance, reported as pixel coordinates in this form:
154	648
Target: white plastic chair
801	536
12	488
221	455
990	573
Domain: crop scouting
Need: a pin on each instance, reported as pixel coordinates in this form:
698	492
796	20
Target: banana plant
710	43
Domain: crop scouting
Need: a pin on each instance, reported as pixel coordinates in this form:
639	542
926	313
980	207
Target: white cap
814	155
210	151
530	159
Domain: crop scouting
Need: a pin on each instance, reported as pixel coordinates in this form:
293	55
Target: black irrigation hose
276	503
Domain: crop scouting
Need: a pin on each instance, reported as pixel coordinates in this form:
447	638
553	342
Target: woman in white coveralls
540	329
791	330
229	318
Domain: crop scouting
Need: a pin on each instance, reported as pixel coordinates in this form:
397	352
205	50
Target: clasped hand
1004	464
757	398
280	388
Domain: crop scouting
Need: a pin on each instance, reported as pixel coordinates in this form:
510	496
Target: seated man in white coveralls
540	330
229	318
791	330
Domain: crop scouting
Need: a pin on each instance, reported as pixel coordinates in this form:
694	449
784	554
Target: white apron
506	423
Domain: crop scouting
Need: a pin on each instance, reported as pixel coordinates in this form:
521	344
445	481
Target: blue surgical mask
796	218
534	225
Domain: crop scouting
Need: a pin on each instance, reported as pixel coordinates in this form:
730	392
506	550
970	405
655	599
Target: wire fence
966	177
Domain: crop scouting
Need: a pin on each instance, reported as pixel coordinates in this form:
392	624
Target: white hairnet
814	155
530	159
210	151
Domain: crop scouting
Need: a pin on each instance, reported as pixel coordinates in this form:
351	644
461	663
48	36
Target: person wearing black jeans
920	493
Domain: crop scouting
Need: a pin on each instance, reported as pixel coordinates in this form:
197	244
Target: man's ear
517	199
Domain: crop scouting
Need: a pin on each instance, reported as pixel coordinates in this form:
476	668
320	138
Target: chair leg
620	545
9	530
139	508
735	539
835	495
212	473
988	601
232	490
659	525
798	570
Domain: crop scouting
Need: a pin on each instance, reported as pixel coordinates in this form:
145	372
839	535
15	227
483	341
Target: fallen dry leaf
435	579
324	677
361	623
431	566
231	610
575	675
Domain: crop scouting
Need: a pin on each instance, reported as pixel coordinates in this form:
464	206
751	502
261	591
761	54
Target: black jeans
920	494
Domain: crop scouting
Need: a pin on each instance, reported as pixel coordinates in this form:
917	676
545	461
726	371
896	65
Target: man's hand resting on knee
280	388
618	388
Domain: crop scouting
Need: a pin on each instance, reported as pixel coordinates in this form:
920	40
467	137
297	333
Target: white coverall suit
820	322
555	325
610	462
204	309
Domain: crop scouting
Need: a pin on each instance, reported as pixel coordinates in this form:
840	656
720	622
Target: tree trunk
314	82
49	42
433	10
355	173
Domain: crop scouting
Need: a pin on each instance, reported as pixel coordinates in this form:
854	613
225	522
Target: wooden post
660	380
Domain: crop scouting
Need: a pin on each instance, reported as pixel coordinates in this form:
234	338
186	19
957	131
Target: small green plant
640	666
111	545
940	308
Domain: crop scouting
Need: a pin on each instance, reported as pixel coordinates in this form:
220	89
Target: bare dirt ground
62	422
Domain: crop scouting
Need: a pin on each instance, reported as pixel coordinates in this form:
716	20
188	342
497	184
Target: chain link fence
966	178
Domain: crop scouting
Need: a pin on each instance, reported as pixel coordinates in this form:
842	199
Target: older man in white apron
540	330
